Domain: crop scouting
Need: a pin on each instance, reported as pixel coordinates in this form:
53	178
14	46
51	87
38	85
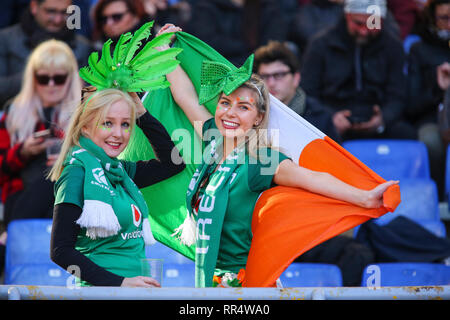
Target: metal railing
23	292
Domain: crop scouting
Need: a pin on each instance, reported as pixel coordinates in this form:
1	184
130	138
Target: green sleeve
69	187
262	169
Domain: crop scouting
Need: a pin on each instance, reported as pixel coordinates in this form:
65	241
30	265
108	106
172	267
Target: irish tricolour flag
286	221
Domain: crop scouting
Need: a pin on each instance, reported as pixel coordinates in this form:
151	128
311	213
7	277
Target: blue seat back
311	275
161	251
392	159
38	274
179	275
28	241
419	201
406	274
27	259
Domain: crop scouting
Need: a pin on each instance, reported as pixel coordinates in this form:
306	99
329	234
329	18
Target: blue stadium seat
311	275
38	274
28	254
392	159
406	274
28	241
161	251
178	275
419	203
409	41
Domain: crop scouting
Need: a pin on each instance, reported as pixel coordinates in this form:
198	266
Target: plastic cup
152	268
53	147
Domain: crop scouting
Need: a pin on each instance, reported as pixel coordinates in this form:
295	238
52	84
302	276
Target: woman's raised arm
183	91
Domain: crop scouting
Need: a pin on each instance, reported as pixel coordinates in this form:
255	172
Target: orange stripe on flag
289	221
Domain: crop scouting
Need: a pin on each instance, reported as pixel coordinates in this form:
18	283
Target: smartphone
42	134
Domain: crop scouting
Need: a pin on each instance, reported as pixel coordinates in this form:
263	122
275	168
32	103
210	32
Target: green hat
128	71
217	77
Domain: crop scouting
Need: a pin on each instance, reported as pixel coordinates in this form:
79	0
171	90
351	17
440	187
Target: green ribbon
217	77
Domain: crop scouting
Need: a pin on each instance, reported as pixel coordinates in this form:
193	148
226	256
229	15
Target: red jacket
11	162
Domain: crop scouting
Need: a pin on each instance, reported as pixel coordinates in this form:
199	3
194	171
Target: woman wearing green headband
238	164
100	216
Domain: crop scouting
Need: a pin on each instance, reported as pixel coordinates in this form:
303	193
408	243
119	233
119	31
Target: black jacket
423	91
312	111
223	25
18	41
329	73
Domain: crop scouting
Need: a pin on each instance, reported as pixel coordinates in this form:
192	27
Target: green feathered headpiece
128	72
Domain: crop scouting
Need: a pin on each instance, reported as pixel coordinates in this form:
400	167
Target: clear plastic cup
152	268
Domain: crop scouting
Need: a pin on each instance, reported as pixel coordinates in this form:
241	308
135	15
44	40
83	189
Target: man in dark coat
235	28
356	68
428	67
278	66
45	19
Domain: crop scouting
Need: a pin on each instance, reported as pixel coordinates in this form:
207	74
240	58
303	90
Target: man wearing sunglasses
278	67
44	19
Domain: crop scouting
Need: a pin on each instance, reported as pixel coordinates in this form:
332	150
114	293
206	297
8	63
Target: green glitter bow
217	77
128	72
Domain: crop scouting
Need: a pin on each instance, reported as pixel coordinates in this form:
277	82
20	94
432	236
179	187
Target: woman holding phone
50	88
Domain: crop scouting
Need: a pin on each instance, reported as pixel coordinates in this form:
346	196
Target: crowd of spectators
350	73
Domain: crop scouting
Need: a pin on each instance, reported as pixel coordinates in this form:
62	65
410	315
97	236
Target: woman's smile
229	124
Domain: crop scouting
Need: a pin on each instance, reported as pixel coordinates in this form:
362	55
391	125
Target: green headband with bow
217	77
128	71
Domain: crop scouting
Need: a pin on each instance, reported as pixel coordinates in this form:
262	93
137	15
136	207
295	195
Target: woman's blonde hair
26	108
93	108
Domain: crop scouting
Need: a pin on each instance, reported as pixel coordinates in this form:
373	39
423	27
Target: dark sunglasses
116	17
44	79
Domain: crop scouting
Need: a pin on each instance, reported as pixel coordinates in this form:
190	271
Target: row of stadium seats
407	161
27	250
28	263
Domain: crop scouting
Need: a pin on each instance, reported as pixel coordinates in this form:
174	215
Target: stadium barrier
22	292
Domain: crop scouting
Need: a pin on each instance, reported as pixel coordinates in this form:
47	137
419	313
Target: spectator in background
50	88
356	68
45	19
444	118
177	12
115	17
406	13
313	17
11	11
320	15
279	68
235	28
429	67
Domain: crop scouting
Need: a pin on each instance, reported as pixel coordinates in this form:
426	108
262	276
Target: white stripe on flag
294	131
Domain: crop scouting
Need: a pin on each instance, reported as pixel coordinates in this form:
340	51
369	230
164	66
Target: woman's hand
32	146
375	196
140	109
168	27
140	281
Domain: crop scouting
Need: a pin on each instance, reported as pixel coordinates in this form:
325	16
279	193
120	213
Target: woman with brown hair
115	17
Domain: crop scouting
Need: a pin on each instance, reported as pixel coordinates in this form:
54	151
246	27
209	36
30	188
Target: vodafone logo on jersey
137	215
